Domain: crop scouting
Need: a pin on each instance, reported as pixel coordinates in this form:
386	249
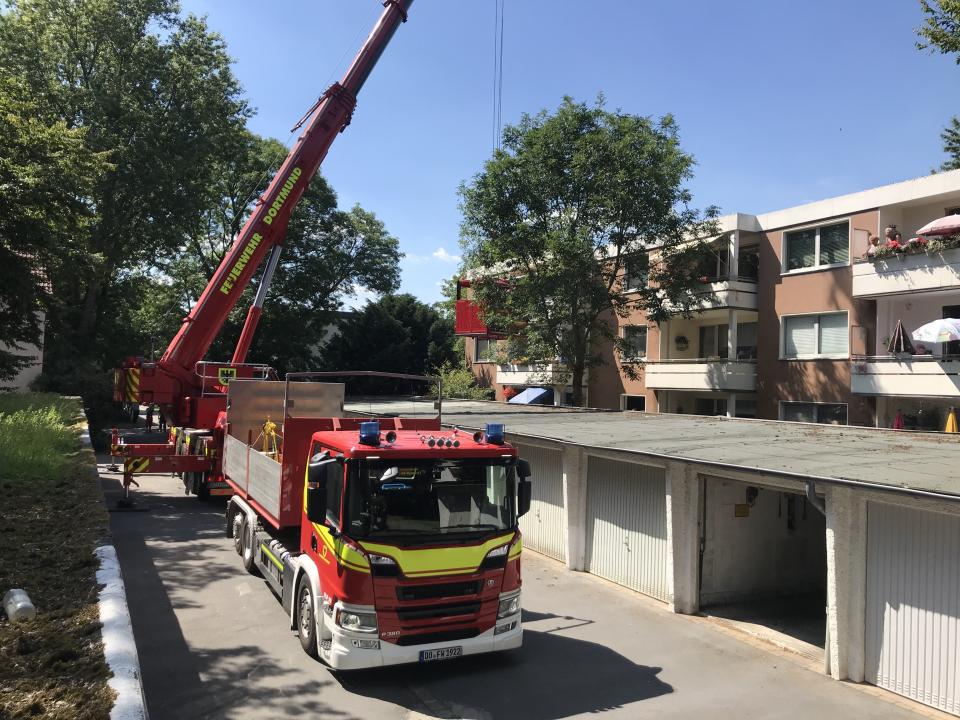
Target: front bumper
343	655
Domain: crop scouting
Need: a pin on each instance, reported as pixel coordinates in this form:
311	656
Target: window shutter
834	336
801	249
800	336
835	244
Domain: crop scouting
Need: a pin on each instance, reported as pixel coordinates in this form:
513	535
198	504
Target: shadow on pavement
551	676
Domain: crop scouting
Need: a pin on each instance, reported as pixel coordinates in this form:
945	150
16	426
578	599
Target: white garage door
627	525
543	527
913	604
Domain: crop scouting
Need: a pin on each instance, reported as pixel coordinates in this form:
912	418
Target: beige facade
795	322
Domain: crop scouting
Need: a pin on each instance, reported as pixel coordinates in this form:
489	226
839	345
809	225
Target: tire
307	618
248	540
238	524
203	489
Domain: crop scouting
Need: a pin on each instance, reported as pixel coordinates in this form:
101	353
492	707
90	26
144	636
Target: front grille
438	611
432	592
435	637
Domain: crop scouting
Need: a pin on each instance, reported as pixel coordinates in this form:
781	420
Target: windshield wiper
479	526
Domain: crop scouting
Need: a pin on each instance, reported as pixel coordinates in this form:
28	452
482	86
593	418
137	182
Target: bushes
36	434
458	382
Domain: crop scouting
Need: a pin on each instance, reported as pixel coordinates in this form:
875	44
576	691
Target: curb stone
119	647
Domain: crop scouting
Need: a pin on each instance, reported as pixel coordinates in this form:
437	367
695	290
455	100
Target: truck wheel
238	524
203	489
306	618
249	538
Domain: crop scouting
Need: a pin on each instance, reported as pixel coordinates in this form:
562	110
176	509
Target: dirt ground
51	520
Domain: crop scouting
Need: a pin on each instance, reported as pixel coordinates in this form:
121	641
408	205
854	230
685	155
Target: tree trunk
91	303
577	381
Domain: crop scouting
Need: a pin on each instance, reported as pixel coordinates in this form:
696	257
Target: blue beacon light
370	433
494	433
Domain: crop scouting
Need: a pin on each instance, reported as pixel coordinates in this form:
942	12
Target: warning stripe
133	384
136	465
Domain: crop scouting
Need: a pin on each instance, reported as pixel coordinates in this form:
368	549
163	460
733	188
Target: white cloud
442	255
358	297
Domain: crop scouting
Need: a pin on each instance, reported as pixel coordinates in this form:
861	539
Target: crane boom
264	230
180	381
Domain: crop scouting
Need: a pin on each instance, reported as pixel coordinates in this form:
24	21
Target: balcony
916	376
547	373
699	374
724	294
918	272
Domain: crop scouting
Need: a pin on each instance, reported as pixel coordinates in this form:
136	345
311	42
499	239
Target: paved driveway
214	643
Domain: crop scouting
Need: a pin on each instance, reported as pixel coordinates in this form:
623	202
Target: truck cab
415	539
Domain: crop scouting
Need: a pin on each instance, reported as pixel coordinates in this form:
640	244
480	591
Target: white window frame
476	351
623	401
816	404
818	355
784	270
628	288
623	336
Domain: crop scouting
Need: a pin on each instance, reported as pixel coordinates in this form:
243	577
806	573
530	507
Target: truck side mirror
524	493
317	491
523	468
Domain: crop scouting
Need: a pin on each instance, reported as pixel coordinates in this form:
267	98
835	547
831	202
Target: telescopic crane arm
263	232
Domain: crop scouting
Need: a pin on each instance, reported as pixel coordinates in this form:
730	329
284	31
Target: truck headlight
508	606
383	566
357	621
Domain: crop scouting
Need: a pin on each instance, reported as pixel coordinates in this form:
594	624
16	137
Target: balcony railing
912	376
904	273
545	373
721	293
702	374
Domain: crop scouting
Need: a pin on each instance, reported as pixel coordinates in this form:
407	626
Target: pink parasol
949	225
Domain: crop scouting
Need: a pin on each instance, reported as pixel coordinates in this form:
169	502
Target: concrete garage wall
759	555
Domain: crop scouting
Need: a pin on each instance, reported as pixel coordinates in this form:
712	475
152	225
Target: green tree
940	32
572	201
46	176
397	333
154	91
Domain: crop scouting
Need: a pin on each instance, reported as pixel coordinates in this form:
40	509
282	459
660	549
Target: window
824	246
709	406
714	265
634	342
486	350
823	413
633	402
746	408
713	341
635	273
334	473
812	336
749	268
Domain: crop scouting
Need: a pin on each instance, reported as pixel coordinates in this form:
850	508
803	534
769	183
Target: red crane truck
387	541
191	393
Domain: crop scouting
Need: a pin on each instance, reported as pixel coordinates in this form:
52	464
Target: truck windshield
430	498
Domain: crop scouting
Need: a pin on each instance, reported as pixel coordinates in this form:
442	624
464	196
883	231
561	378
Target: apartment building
793	322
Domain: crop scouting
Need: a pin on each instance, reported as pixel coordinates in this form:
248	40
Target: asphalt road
214	643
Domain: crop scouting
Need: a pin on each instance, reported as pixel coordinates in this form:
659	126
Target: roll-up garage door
913	604
627	525
543	527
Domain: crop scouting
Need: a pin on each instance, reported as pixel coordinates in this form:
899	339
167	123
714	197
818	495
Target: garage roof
928	462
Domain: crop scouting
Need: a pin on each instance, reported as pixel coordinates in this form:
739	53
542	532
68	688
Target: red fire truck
388	541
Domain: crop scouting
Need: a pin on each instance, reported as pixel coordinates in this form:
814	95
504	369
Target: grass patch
52	517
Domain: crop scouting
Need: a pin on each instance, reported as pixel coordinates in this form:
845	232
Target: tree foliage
397	333
940	32
572	201
46	175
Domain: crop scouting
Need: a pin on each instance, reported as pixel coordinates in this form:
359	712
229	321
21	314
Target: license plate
440	654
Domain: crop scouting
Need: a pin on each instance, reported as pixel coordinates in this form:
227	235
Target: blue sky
780	102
